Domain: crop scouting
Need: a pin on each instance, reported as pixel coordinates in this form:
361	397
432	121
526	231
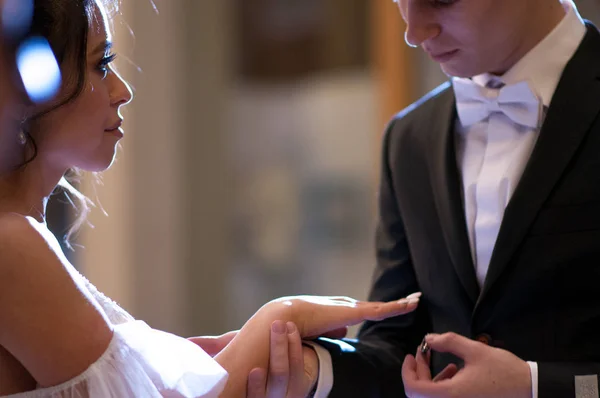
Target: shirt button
484	338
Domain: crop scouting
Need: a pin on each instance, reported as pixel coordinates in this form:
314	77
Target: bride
61	337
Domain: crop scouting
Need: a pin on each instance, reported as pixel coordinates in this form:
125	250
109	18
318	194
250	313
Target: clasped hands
291	369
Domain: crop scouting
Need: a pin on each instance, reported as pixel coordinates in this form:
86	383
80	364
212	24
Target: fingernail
291	327
414	295
430	337
403	301
278	327
413	301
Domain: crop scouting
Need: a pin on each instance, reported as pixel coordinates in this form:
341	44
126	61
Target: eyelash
438	3
442	3
104	62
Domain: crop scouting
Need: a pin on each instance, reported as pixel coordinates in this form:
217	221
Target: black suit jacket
541	297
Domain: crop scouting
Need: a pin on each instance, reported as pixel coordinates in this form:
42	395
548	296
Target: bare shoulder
24	243
51	318
14	226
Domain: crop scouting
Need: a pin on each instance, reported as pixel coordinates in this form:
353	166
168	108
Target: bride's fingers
345	299
423	360
380	311
373	311
414	295
335	317
296	358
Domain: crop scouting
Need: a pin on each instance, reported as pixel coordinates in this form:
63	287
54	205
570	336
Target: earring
22	138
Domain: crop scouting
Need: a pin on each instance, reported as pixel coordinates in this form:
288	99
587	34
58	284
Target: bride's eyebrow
102	48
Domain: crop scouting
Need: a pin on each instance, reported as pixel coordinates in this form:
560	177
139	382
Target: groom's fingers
296	358
423	371
409	369
212	345
257	383
449	372
455	344
279	366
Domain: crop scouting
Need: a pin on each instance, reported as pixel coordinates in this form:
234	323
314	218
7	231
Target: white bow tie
517	101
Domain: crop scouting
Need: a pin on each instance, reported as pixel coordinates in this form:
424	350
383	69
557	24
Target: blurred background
250	164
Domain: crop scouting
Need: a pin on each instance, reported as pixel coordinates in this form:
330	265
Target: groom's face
470	37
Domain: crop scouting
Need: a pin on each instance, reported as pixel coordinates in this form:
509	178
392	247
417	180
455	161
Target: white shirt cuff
533	367
325	381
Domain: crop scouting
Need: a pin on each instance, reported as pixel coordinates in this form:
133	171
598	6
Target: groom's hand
212	345
488	371
293	368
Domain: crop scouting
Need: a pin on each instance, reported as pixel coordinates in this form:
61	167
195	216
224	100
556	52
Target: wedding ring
425	347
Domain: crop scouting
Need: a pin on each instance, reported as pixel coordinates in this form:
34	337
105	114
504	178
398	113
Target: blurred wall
303	159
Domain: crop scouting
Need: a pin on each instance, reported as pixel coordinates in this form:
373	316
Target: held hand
313	316
213	345
317	315
488	372
293	368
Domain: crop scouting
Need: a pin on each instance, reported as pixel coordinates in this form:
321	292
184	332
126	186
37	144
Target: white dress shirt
492	155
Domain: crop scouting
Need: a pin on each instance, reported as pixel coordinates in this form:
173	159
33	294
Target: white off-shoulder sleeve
143	362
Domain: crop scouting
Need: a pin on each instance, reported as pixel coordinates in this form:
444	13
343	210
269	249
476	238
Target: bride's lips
116	129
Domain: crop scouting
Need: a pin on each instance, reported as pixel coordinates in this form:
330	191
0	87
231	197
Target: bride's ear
26	114
21	114
15	115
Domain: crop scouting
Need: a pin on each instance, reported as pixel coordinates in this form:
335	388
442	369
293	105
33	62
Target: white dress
140	362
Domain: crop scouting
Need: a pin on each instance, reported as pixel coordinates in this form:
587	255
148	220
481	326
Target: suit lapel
447	192
574	107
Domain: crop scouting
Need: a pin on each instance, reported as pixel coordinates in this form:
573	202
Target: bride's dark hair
65	24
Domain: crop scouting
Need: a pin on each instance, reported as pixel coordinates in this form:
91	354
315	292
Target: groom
489	204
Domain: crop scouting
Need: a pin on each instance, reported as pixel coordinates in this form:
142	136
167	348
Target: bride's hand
317	315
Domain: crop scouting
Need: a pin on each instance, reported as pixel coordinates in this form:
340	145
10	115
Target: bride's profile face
84	132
